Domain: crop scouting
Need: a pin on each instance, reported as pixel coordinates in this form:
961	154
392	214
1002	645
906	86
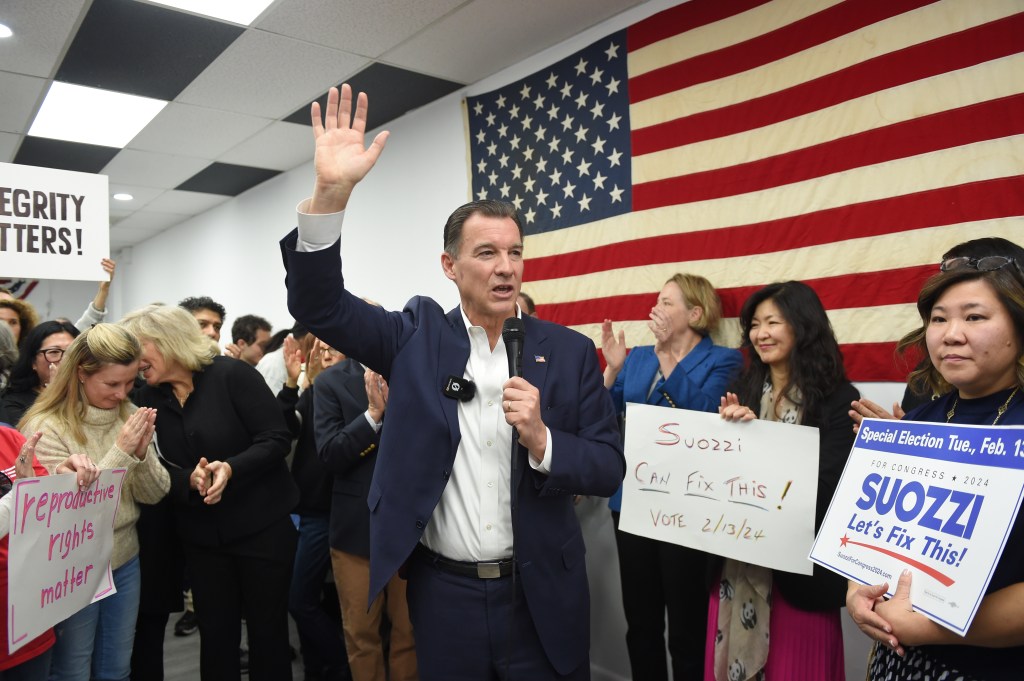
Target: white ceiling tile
365	27
476	40
281	146
149	169
21	94
141	196
186	130
185	203
41	30
264	74
130	237
148	221
8	145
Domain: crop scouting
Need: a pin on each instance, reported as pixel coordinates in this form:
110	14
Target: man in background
250	334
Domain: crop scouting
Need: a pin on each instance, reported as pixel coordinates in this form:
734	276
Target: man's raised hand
341	158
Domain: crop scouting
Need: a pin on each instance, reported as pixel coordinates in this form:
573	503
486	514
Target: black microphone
514	333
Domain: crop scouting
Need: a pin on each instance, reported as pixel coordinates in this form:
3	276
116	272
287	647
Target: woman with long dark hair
795	375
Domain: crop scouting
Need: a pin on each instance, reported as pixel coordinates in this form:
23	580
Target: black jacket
230	416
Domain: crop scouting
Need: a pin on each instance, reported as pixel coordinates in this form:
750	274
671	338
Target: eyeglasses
52	354
331	352
989	263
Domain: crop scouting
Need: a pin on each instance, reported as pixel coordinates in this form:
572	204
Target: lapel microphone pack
459	388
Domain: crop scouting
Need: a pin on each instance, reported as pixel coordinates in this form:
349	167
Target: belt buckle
488	570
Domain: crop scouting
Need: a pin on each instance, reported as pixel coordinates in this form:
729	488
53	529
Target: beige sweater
145	481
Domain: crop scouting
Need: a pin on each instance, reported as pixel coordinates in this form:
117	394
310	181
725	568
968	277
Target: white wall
393	238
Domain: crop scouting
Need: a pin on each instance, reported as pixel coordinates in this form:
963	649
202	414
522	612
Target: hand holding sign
861	601
732	410
82	466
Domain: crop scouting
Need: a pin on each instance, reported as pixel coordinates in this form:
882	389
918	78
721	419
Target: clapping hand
613	347
866	409
209	478
376	394
732	410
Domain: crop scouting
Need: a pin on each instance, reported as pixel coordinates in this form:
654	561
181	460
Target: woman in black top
223	436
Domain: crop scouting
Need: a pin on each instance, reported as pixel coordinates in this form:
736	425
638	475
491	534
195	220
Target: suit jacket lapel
535	369
453	355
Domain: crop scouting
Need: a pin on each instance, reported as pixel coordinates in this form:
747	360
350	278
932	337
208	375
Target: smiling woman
795	375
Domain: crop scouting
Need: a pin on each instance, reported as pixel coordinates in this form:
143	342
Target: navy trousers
470	629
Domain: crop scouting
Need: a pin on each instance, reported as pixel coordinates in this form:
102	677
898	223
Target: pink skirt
805	645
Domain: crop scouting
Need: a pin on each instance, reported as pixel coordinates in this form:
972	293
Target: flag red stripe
685	17
863	362
875	362
983	121
861	289
986	200
957	51
800	35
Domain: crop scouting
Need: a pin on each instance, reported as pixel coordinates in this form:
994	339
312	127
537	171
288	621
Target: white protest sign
936	498
54	224
740	490
59	552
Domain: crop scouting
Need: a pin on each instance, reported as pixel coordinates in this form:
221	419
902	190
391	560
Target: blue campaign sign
936	498
1000	447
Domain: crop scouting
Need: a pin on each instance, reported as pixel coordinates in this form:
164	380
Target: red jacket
10	445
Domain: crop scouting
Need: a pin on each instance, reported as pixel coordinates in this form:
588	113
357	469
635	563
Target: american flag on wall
845	144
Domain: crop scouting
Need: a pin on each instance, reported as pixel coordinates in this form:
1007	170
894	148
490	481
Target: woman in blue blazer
683	369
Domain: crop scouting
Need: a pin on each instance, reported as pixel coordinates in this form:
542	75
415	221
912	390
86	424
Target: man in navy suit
349	405
443	499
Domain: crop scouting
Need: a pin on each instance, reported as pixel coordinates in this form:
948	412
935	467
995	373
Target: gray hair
487	208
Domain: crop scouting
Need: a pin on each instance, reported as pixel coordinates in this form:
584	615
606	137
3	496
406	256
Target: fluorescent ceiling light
91	116
123	197
5	31
237	11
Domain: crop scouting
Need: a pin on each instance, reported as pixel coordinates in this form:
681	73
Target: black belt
487	570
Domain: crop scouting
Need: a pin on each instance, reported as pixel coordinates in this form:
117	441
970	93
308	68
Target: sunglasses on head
989	263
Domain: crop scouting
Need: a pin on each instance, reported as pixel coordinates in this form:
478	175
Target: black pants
249	579
658	576
148	650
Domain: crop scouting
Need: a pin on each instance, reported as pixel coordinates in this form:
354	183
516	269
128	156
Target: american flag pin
539	359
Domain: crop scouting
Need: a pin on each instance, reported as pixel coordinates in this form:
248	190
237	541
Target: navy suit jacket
416	350
347	444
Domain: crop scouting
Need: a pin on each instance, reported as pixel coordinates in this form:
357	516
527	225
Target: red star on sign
843	541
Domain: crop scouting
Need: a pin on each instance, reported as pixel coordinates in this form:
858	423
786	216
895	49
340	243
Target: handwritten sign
740	490
936	498
54	224
59	552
